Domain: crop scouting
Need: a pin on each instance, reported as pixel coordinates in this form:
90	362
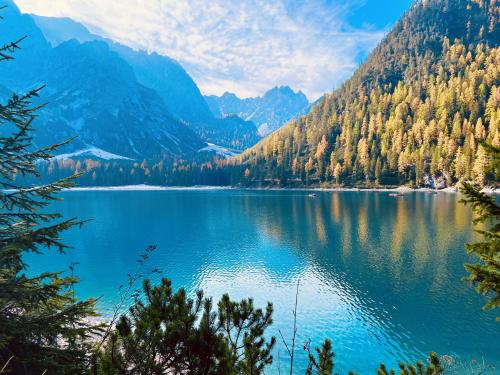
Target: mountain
180	94
98	96
92	93
415	112
268	112
57	30
166	76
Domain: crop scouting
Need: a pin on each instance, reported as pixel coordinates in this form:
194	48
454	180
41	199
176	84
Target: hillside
414	112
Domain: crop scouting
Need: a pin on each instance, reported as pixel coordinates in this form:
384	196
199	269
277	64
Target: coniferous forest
416	110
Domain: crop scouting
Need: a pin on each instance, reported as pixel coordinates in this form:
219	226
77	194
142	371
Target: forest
414	112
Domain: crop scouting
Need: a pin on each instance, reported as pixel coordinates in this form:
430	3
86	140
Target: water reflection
379	275
405	262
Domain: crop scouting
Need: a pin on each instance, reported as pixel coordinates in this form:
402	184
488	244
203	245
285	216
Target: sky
245	47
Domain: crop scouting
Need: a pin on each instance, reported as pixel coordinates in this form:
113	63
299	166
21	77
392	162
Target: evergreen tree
172	333
43	328
434	367
323	364
485	274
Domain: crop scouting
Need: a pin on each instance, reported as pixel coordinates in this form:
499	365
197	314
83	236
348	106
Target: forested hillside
414	112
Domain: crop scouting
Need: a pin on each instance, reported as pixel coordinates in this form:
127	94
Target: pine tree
323	364
434	367
337	171
485	274
43	328
480	165
172	333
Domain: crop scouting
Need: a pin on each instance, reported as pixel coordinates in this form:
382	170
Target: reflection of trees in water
401	259
363	224
422	244
396	242
320	224
398	235
371	235
335	207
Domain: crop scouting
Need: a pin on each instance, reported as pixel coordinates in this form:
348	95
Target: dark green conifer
168	332
485	274
43	328
323	364
433	367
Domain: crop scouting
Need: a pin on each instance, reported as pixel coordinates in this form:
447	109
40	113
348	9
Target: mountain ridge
168	78
161	73
414	113
92	93
269	111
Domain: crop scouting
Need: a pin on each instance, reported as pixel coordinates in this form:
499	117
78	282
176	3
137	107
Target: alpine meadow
249	187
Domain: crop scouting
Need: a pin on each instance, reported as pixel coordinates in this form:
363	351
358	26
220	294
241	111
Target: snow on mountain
91	152
179	93
219	150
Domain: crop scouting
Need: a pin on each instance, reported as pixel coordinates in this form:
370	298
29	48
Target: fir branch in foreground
485	274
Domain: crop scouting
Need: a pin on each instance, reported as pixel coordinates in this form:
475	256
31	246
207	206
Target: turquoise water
379	275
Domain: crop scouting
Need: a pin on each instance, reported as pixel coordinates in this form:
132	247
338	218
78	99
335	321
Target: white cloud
245	47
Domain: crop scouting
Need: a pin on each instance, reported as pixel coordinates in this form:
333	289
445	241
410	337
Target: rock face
269	112
94	94
180	95
166	76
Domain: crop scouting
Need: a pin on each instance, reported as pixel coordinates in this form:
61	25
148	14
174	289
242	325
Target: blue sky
245	47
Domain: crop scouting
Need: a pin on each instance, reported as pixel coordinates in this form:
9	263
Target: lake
379	275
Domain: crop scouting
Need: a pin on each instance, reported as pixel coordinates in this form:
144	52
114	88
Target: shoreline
144	187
